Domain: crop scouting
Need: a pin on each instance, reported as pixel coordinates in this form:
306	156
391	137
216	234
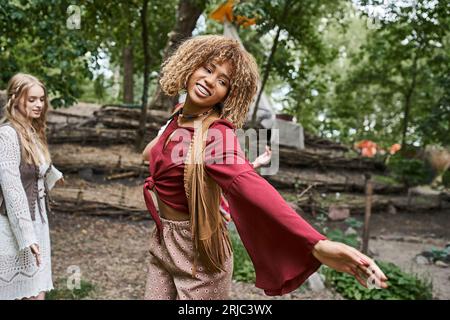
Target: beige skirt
170	268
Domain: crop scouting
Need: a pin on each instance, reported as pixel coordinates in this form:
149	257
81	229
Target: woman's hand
60	182
36	253
263	159
344	258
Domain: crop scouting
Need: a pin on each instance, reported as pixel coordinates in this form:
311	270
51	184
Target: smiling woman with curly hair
203	50
195	160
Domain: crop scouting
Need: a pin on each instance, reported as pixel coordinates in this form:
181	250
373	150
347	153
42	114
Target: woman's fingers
38	260
373	268
36	252
359	277
367	269
374	275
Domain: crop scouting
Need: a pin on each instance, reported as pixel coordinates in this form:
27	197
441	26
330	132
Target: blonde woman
26	176
195	160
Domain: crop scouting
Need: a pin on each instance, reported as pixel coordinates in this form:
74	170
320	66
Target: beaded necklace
193	116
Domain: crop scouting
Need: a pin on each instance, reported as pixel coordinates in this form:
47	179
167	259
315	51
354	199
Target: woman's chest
170	151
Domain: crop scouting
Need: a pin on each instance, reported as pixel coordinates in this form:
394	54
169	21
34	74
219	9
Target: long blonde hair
199	50
26	127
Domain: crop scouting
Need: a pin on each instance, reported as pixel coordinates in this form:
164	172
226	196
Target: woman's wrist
318	247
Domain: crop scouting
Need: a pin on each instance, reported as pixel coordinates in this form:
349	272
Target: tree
143	119
117	28
35	38
188	13
296	46
396	69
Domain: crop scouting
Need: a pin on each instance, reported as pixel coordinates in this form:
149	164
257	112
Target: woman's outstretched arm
284	248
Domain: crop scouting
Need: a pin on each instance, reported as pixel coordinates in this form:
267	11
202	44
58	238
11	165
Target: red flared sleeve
278	240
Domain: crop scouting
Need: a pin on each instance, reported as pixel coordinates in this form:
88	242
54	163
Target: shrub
411	172
402	285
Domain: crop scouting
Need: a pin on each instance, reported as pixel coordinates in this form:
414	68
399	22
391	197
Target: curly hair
200	50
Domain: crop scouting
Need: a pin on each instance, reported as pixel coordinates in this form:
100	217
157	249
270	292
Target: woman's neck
191	109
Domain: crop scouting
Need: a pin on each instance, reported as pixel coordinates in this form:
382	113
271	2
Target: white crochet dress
19	275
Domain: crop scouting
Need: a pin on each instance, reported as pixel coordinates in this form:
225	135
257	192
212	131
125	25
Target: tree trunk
265	76
408	101
269	64
367	213
128	71
140	137
187	15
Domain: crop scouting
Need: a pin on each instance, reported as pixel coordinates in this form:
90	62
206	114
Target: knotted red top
278	240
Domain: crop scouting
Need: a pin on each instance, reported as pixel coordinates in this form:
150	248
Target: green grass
61	292
243	266
289	196
385	180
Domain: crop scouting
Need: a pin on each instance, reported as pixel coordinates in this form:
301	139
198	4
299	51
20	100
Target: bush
402	286
243	269
411	172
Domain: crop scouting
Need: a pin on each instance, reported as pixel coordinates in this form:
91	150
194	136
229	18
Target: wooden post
366	231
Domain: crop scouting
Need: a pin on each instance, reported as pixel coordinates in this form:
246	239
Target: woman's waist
168	212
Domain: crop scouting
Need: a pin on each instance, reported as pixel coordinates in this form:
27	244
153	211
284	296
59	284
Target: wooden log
304	158
121	123
128	174
367	213
330	180
132	114
96	136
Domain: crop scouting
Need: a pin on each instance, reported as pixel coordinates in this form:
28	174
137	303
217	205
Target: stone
441	264
315	282
421	260
391	209
338	212
293	205
373	252
350	231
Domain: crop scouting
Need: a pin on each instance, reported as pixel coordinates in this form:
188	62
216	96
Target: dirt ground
112	254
